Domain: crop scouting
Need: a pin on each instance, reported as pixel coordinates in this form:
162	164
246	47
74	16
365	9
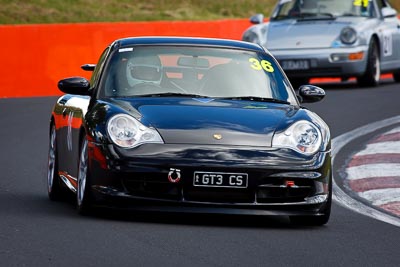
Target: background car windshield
208	72
333	8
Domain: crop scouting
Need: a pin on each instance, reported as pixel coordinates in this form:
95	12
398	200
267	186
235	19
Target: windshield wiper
282	17
257	98
351	15
168	94
316	16
348	15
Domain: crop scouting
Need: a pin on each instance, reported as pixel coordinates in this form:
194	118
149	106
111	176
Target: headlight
251	37
127	132
301	136
348	35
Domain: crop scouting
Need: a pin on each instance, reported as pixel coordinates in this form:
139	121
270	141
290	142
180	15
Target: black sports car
190	125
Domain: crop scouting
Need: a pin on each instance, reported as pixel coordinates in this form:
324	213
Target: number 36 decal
259	65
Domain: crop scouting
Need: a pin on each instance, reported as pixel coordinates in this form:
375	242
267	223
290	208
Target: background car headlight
348	35
301	136
127	132
251	37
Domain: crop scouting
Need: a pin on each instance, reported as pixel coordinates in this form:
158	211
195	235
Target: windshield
181	71
309	9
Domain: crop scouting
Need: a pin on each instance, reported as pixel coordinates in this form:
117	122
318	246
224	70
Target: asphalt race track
37	232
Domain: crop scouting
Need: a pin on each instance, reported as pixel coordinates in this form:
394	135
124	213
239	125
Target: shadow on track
198	219
66	209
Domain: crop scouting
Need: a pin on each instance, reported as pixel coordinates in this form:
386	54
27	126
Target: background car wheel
396	76
373	73
83	192
54	187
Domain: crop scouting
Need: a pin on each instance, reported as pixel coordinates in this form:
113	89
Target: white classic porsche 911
331	38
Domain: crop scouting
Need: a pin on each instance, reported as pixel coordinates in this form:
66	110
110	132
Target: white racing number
387	45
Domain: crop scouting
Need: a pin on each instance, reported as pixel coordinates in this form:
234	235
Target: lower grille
158	190
219	195
280	192
282	195
267	190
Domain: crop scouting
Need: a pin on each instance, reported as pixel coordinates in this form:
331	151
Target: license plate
295	64
220	179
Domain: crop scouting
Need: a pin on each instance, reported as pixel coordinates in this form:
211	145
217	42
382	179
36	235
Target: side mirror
88	67
75	86
257	19
388	12
311	93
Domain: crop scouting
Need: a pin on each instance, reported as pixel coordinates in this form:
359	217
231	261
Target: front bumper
280	181
328	62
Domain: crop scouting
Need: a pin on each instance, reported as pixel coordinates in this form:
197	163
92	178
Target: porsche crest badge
217	136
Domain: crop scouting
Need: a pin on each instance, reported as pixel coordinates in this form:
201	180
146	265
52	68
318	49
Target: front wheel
396	76
55	190
373	72
83	192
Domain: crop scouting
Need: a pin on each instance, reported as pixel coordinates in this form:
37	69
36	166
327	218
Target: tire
373	72
83	192
55	190
396	76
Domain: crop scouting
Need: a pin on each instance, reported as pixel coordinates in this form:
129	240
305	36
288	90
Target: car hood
210	121
303	34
